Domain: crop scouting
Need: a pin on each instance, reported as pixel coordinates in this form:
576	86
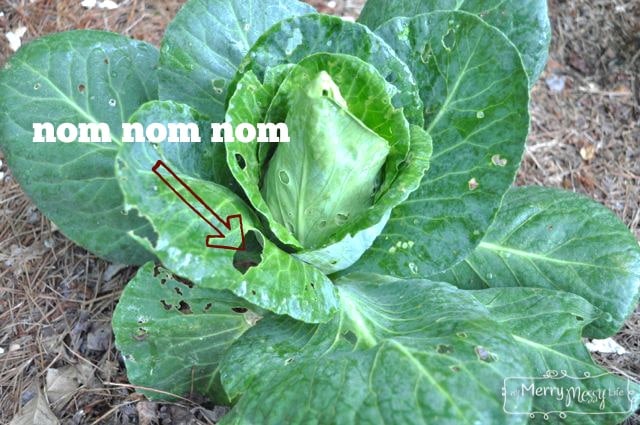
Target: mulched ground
56	300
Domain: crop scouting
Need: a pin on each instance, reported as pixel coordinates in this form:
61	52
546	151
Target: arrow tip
213	241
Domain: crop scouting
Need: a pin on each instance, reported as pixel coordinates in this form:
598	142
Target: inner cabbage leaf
330	171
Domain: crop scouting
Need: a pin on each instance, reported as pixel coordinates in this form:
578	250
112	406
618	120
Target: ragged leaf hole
184	308
252	255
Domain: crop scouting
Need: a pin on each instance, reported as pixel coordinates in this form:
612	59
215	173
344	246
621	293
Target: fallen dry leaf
62	384
99	338
588	152
36	412
147	413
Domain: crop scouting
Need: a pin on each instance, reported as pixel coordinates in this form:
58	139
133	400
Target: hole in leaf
239	310
166	305
288	361
218	86
253	292
184	308
241	162
499	161
185	282
484	355
351	337
178	291
444	349
325	92
579	318
454	368
284	177
207	307
342	218
313	285
156	270
449	39
106	61
141	335
250	257
334	262
81	88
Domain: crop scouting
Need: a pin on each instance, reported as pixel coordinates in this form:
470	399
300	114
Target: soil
56	300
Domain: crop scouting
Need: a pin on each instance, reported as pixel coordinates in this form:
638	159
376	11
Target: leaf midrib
535	256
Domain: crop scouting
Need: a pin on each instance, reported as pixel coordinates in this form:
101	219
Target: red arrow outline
209	242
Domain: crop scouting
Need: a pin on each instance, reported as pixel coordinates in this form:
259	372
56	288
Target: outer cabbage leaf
205	43
363	90
292	40
474	88
552	239
203	160
269	278
548	325
77	77
525	23
409	352
172	336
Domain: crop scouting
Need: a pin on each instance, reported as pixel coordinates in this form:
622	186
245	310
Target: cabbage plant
390	271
